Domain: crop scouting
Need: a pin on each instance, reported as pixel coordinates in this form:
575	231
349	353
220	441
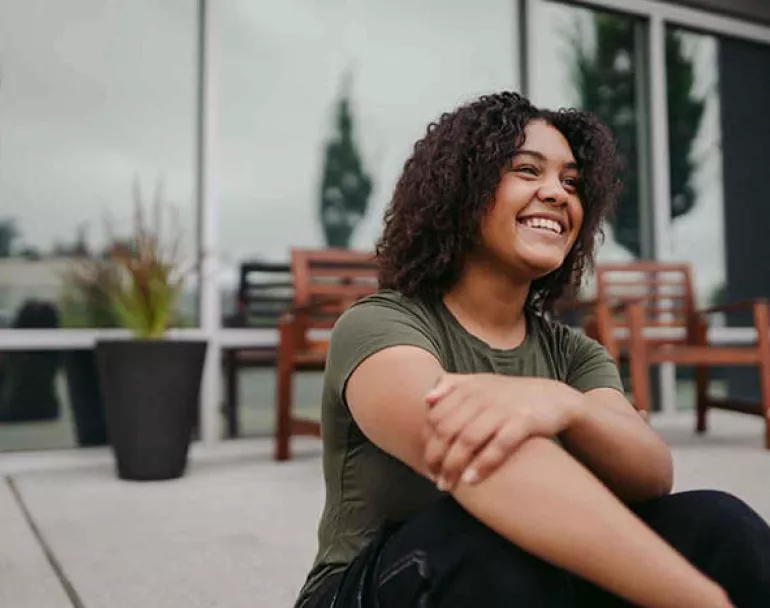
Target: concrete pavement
238	530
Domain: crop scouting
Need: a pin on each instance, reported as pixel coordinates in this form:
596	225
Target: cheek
514	192
577	216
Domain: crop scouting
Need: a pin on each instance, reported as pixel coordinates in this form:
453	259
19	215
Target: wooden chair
646	310
325	284
265	291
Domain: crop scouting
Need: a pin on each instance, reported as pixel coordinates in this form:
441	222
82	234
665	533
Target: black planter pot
150	390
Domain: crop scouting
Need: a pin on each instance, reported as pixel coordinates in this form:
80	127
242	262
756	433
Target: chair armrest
583	305
760	308
732	306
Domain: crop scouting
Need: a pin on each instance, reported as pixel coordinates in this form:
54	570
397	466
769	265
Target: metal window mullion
661	189
685	16
208	222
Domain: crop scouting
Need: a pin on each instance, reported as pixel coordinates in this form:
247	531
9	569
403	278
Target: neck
489	304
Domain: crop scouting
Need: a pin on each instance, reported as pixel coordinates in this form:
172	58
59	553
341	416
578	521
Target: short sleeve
590	365
367	328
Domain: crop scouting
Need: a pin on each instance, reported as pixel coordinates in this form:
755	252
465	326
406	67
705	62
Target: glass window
97	110
697	192
719	91
306	87
595	60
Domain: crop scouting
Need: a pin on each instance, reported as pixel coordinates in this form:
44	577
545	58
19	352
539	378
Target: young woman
477	453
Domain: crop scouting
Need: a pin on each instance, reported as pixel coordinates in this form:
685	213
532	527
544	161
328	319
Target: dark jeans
445	558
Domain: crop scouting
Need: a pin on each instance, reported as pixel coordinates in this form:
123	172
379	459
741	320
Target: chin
539	266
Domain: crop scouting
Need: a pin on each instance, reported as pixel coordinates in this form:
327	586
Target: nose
552	191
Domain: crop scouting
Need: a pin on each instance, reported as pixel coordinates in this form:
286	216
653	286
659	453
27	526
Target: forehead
539	136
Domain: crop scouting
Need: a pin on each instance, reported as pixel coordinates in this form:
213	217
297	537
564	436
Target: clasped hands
476	421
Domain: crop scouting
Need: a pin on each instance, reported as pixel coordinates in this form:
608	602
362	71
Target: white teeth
541	222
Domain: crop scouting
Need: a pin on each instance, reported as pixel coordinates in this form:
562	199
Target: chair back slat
265	291
330	281
663	290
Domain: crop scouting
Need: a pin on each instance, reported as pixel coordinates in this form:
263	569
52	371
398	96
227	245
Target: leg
762	323
231	392
283	411
445	558
718	534
637	360
701	397
700	335
284	372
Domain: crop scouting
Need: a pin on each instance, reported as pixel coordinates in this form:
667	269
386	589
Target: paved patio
238	530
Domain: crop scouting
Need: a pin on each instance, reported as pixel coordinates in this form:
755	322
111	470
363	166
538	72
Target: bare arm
526	499
619	447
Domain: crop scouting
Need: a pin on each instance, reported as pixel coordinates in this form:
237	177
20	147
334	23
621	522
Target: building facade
225	110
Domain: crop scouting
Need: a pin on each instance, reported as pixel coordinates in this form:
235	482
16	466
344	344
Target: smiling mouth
545	225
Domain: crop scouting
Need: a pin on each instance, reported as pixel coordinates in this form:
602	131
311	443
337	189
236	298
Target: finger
440	436
466	445
442	408
495	453
442	388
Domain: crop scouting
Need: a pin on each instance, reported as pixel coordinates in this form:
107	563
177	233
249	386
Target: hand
476	421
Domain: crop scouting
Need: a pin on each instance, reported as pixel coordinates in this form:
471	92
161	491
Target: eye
571	182
528	169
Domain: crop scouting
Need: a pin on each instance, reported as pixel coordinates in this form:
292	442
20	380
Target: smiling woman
504	464
568	159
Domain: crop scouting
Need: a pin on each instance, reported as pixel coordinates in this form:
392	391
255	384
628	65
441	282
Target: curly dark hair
448	184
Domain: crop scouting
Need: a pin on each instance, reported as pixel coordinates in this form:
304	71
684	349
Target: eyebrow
542	157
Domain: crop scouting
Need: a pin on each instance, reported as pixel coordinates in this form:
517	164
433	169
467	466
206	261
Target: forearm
545	502
622	451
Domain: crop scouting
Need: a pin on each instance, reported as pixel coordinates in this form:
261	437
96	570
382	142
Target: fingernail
470	476
442	485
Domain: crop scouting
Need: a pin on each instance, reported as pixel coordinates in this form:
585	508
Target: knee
719	510
731	528
463	554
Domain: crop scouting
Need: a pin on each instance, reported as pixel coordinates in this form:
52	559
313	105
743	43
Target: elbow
655	482
643	492
666	480
664	472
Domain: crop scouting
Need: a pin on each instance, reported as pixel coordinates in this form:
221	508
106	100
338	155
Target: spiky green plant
151	273
85	300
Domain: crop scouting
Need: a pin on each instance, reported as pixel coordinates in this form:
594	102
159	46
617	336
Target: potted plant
150	385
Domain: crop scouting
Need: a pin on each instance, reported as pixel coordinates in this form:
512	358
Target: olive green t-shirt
364	485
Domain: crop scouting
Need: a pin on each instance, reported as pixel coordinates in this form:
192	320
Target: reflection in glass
697	193
595	60
345	185
97	110
89	109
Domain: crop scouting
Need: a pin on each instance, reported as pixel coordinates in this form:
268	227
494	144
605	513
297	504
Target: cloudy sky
96	93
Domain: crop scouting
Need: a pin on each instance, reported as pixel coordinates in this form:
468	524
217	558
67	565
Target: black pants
445	558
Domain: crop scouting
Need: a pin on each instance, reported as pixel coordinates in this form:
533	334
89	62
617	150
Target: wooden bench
265	291
646	311
325	284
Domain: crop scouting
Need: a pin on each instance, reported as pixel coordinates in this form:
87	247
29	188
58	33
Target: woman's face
536	214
